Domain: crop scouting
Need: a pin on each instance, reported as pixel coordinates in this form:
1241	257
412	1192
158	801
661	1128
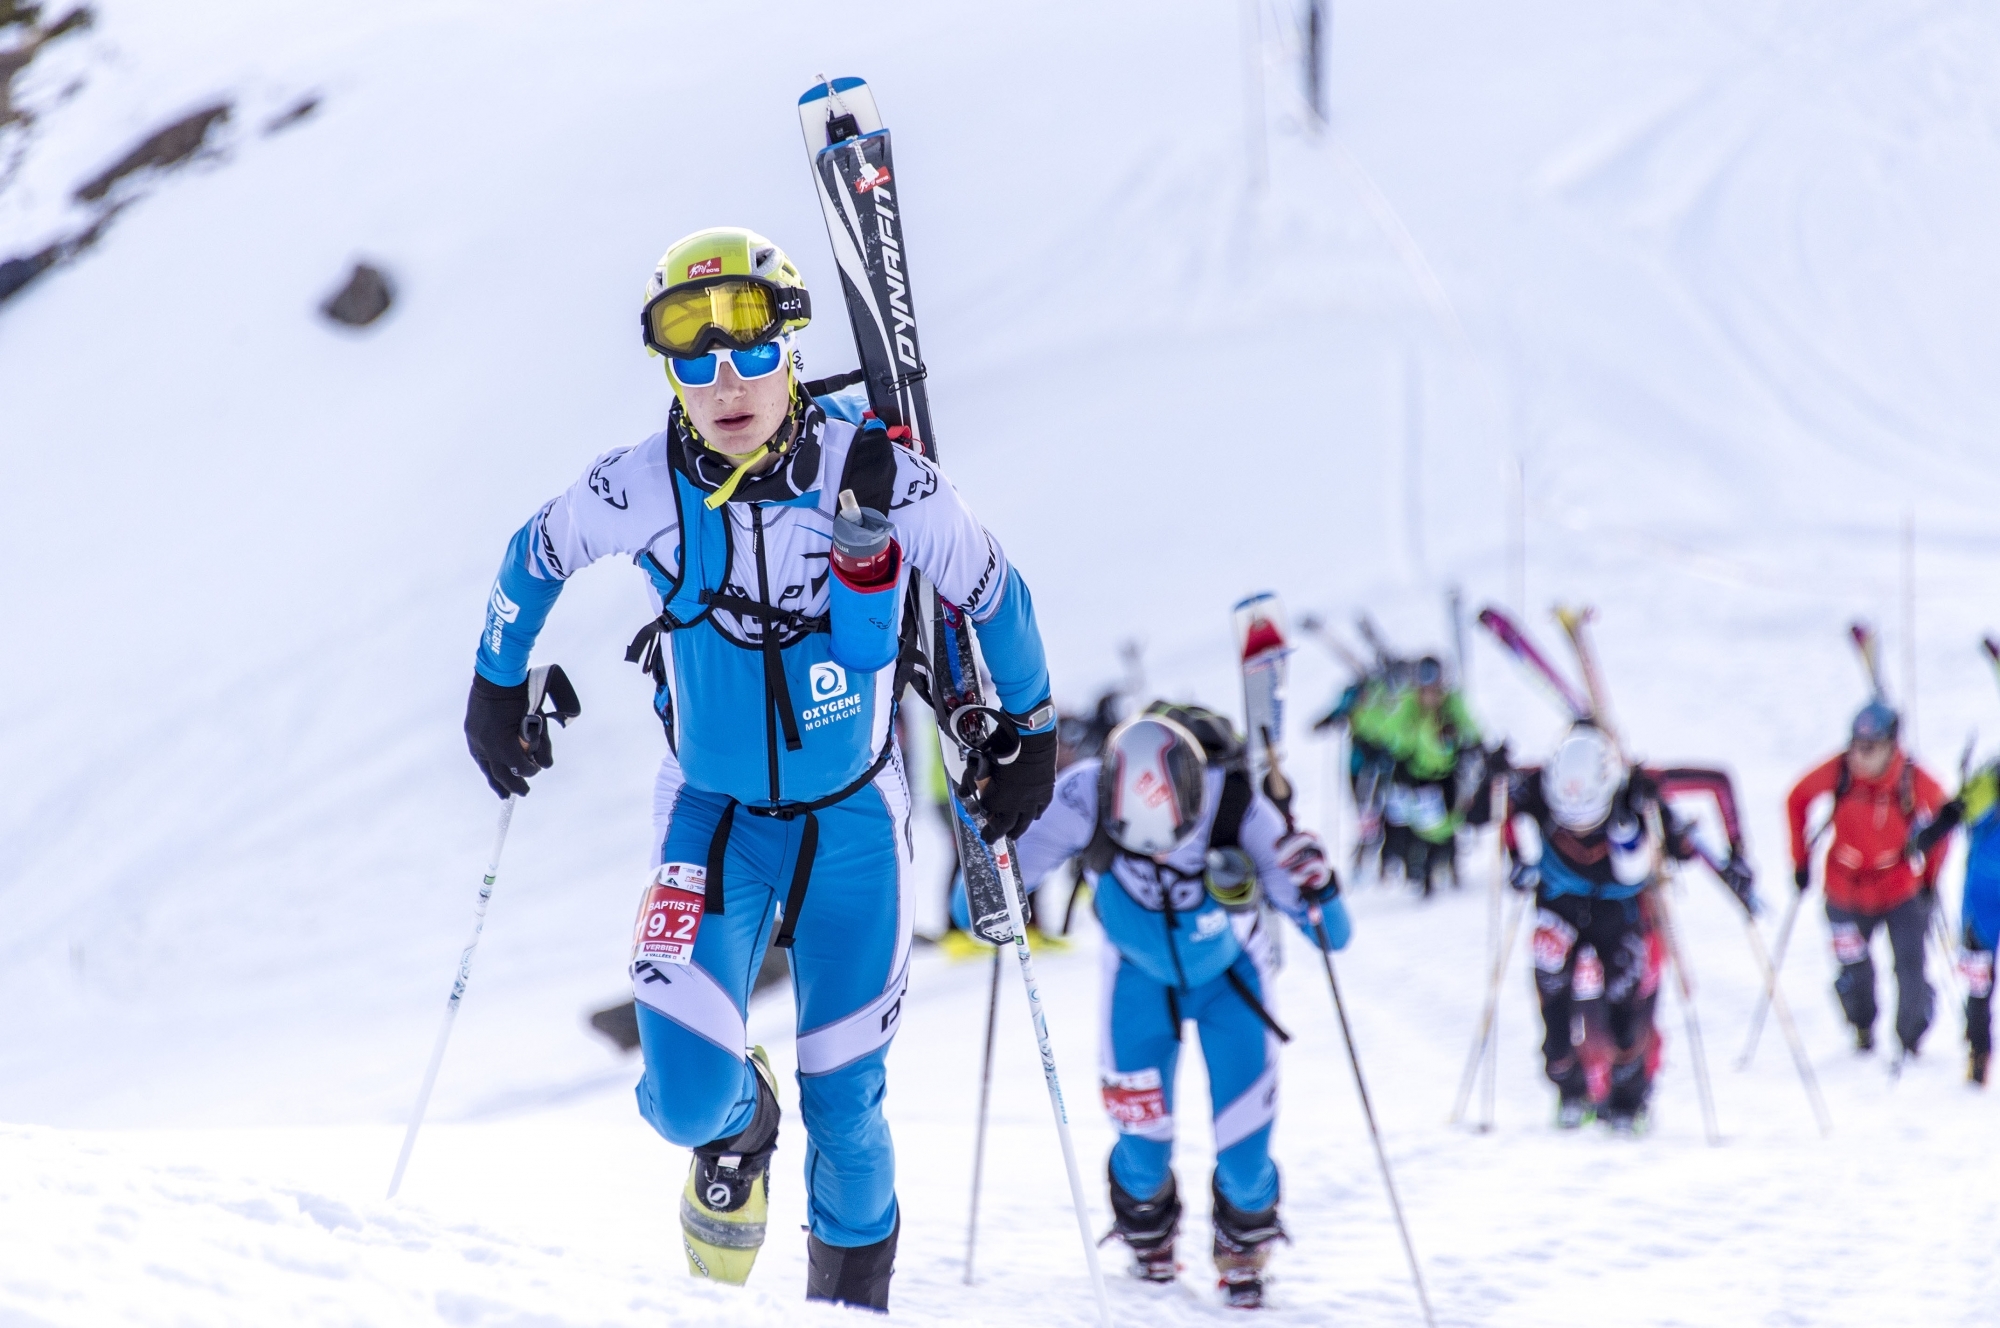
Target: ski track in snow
1726	282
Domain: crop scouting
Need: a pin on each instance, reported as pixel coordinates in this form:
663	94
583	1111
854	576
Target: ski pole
1486	1015
1010	883
547	681
1368	1111
457	991
1778	954
1497	800
1776	998
1940	935
1773	967
1664	920
985	1097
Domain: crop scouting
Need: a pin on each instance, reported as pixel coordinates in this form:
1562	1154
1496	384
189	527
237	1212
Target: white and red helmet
1581	779
1149	791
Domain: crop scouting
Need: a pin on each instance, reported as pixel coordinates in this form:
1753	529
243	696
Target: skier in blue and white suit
1186	854
782	801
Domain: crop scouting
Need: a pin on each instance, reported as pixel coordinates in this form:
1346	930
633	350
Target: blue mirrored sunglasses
757	362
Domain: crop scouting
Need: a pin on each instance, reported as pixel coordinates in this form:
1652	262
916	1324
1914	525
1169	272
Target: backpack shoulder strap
870	468
1843	782
1906	788
1098	854
1227	830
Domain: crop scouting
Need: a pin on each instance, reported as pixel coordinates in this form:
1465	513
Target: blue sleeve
1338	930
1012	645
847	404
515	612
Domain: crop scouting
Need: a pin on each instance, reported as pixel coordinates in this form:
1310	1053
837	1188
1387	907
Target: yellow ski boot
728	1194
961	944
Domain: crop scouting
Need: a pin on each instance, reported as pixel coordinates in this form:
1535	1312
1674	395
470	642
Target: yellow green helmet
725	288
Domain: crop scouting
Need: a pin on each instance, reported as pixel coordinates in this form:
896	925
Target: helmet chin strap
741	466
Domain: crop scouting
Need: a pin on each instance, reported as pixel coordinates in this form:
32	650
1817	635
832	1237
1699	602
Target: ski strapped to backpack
1516	643
848	150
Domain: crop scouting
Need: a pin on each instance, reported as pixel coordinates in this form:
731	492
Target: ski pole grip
986	732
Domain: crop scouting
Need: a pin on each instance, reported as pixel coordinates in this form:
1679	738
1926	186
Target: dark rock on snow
365	297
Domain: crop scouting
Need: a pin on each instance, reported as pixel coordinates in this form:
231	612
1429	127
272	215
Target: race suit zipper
776	695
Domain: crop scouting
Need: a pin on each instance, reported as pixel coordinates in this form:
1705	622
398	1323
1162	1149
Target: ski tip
1262	638
830	86
1252	601
1992	649
1860	632
1573	616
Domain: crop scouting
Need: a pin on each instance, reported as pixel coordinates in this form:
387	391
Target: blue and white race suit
1176	954
744	588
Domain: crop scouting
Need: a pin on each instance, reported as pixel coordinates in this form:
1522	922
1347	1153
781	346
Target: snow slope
1717	274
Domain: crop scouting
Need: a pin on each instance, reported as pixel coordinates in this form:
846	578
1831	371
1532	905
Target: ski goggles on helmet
759	361
733	313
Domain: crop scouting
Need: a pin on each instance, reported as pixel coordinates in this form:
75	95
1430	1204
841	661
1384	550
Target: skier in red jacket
1879	796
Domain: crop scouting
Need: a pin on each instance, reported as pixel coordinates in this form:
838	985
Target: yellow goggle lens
744	310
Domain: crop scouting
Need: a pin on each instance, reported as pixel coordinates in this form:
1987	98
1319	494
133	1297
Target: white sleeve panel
1263	827
941	537
1065	829
622	504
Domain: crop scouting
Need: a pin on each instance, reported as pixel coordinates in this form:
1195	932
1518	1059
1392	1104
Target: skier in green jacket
1439	763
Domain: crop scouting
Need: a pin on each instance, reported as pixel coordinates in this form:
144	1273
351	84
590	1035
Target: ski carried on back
848	149
1265	656
1573	622
1516	643
1869	647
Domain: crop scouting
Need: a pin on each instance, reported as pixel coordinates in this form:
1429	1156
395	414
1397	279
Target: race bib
1848	945
1588	984
1135	1100
1977	967
1553	938
670	917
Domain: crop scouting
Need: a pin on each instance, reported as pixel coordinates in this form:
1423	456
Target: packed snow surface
1712	281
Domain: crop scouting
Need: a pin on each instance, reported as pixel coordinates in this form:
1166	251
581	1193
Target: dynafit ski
1517	644
1265	655
859	192
848	148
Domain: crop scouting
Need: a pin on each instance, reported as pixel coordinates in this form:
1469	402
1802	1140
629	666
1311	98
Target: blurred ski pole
1656	893
1776	999
548	681
985	1100
1368	1112
1485	1045
1484	1032
1281	789
1777	964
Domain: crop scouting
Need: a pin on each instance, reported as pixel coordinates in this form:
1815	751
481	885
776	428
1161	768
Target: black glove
1641	791
1946	820
1802	876
1736	874
1525	877
1019	791
493	716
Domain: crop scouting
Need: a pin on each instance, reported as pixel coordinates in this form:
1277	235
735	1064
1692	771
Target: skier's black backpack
1224	748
